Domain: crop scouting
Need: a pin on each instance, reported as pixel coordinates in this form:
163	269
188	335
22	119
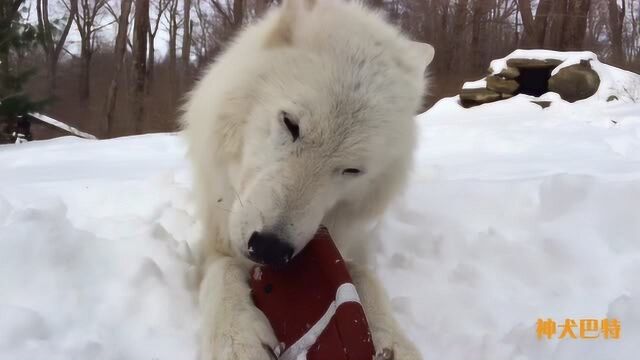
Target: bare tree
238	13
233	18
557	21
634	45
172	18
478	18
575	26
202	39
51	46
186	41
443	19
459	22
119	52
87	26
160	7
616	25
140	33
568	24
535	29
517	25
466	34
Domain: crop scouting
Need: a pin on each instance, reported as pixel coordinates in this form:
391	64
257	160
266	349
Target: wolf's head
331	131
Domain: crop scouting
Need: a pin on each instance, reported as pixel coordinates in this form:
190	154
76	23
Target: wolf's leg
233	328
389	340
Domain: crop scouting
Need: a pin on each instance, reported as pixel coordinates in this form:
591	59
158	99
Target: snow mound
94	263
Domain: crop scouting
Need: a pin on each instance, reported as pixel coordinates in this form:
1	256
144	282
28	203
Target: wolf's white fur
352	83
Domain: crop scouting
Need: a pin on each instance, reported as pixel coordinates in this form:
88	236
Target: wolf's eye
293	128
351	171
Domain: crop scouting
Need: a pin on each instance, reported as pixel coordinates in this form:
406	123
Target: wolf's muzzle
268	249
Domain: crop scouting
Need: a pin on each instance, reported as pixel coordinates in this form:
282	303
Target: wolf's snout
268	249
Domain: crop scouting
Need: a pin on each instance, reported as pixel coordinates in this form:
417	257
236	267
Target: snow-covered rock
575	76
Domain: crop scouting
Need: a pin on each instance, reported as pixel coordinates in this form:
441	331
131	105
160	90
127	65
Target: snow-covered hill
514	213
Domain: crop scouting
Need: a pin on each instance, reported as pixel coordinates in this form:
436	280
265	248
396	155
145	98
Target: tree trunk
151	61
527	20
141	29
460	19
51	47
480	9
52	74
616	26
573	24
186	42
535	29
119	51
559	21
85	71
85	19
6	15
4	63
517	32
238	13
173	69
153	30
444	17
635	26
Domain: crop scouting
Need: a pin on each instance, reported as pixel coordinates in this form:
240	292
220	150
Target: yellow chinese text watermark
586	329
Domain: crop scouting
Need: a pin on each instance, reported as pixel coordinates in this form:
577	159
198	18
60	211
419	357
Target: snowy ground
514	213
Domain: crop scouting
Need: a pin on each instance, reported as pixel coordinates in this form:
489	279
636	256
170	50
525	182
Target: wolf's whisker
238	197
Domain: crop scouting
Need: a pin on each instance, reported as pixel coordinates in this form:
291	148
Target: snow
517	213
624	85
94	262
567	57
478	84
514	213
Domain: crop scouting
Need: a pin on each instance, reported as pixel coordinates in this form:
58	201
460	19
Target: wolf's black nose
268	249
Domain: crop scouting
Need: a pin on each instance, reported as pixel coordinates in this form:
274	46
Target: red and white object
313	306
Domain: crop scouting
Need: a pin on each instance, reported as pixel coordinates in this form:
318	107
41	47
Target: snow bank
513	213
517	213
94	262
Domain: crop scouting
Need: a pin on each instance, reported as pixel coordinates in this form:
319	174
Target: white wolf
306	119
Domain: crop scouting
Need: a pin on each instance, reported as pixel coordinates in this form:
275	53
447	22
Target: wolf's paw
390	347
235	349
385	354
247	336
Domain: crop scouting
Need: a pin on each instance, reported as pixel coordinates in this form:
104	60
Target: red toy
312	305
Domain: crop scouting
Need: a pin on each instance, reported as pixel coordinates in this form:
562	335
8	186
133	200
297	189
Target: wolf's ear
291	13
423	53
